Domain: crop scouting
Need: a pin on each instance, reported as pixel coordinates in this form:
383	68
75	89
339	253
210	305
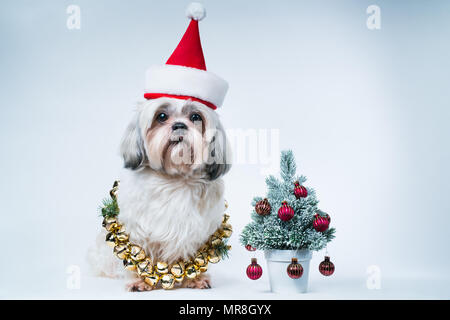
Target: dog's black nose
178	125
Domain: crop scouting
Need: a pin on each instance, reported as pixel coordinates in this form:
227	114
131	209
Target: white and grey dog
171	193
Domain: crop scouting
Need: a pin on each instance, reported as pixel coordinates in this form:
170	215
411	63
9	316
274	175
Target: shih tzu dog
175	152
171	193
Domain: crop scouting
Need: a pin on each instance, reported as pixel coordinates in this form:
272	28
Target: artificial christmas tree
284	239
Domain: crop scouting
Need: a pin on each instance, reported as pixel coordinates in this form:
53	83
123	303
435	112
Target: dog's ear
219	155
132	147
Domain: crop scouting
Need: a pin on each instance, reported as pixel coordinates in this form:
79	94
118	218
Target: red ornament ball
250	248
263	207
300	191
254	270
285	212
326	267
295	269
321	223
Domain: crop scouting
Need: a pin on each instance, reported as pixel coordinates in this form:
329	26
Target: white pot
277	263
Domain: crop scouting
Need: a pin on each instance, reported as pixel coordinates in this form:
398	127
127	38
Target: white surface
52	285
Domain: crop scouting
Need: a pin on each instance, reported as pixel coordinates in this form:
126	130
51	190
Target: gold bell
204	247
227	230
122	237
191	271
121	251
167	281
111	239
118	228
137	253
215	240
203	268
177	269
113	192
110	224
129	264
213	257
145	267
152	279
226	217
179	279
201	259
162	267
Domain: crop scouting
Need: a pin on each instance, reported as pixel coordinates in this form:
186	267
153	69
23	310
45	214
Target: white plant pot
277	263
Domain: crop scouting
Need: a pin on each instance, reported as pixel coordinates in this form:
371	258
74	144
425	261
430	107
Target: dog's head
177	137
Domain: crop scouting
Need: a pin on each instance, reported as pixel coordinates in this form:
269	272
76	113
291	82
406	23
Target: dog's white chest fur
169	217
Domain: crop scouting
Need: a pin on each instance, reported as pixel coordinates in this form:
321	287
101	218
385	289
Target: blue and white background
366	112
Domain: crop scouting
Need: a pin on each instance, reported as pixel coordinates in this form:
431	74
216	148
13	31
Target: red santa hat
184	75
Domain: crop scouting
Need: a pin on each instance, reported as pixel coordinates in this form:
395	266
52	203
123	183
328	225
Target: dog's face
177	137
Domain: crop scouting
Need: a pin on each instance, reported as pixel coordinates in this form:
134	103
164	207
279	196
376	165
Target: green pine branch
222	249
287	165
109	208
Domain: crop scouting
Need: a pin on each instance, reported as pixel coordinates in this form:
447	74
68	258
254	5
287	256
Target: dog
171	194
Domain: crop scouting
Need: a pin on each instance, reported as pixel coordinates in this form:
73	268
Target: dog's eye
196	117
162	117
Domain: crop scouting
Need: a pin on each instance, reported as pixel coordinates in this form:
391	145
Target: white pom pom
196	11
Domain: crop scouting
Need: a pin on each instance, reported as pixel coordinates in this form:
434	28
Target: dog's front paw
201	282
138	286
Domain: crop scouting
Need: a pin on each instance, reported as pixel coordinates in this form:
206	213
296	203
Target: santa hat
184	75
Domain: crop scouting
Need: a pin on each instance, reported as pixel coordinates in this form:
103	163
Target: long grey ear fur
132	147
220	155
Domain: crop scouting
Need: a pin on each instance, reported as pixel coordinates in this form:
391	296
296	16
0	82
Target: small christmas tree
274	227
